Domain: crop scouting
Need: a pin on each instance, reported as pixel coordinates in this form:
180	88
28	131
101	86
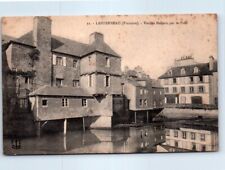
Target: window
170	72
89	60
192	135
167	132
182	71
167	90
196	70
160	92
184	135
90	80
201	78
154	104
107	62
27	80
44	102
192	79
75	63
141	91
107	81
193	146
65	102
201	89
145	91
145	102
175	133
176	144
23	102
154	92
182	89
202	137
203	148
84	102
191	89
174	80
59	61
174	89
141	102
58	82
76	83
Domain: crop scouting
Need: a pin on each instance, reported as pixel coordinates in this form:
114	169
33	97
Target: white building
192	139
189	82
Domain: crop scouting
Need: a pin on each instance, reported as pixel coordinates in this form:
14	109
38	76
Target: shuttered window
54	59
64	61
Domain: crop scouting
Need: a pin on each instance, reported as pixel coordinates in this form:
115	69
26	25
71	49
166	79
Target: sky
150	41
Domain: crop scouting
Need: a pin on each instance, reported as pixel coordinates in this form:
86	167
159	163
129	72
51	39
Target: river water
132	139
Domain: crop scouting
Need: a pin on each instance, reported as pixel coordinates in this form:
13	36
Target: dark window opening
107	81
84	102
65	102
44	102
59	82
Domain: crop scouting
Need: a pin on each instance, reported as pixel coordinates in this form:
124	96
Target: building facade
189	82
50	78
145	97
191	139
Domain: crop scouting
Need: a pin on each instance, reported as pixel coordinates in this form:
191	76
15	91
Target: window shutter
54	59
64	61
104	81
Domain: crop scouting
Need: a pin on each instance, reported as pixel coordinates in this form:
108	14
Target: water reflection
118	140
190	139
149	138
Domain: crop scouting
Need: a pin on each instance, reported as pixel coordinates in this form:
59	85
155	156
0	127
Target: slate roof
156	84
68	46
60	91
189	70
6	39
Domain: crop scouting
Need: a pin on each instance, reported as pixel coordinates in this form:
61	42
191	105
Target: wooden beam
147	116
135	117
83	124
65	126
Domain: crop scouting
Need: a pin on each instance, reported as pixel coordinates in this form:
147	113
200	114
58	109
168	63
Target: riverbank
177	113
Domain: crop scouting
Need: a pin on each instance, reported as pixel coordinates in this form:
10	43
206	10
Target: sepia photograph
109	84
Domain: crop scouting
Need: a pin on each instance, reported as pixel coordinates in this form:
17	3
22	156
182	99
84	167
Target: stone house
145	97
189	82
47	77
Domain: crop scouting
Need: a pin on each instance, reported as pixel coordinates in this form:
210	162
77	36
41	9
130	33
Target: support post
64	143
135	117
83	125
38	130
65	126
147	117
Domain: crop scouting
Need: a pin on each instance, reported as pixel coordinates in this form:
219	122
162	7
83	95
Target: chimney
42	41
96	37
42	32
211	63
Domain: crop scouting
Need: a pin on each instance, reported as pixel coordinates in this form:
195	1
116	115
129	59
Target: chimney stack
96	37
42	32
211	63
42	41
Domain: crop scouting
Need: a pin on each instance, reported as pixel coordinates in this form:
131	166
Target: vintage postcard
110	84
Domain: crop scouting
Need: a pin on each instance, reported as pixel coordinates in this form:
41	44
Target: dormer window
182	71
170	72
75	64
196	70
107	62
